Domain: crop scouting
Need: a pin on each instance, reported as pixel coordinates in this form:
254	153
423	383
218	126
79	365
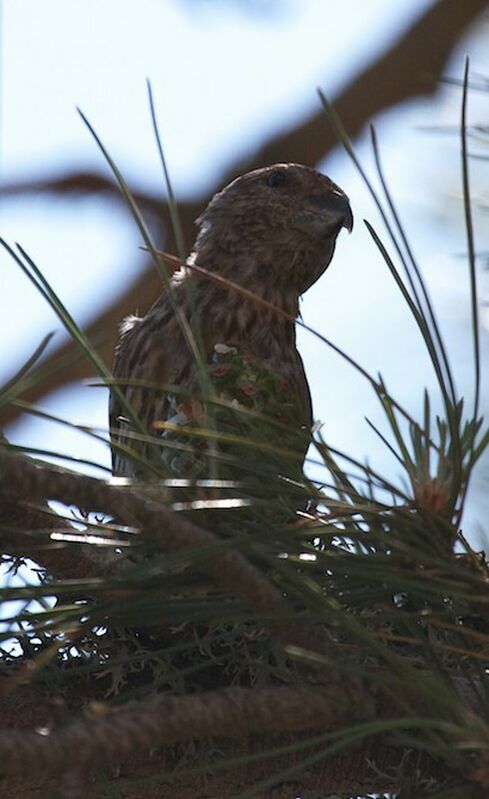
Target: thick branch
165	720
24	477
411	67
129	731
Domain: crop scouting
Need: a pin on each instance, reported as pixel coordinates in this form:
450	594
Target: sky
224	79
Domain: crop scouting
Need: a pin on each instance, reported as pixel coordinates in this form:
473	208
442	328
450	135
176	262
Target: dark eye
275	179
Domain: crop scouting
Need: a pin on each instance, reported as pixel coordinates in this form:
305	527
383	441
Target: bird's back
255	366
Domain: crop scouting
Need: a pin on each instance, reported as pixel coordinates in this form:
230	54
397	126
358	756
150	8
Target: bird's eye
275	179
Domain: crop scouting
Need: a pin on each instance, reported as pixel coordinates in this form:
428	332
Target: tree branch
112	734
23	477
116	734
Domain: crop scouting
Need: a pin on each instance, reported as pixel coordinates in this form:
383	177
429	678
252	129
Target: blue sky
223	80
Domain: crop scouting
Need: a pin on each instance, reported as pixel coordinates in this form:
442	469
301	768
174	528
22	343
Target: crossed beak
336	205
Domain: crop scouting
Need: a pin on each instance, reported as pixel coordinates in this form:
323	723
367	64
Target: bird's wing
304	391
116	413
150	350
131	362
153	350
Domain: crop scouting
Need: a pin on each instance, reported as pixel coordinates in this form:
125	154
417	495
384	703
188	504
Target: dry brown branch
411	67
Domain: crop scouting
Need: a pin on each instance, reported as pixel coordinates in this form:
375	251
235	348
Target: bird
269	234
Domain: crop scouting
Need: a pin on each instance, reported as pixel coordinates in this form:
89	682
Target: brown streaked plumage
271	231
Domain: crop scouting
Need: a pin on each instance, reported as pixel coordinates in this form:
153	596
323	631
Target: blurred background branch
412	66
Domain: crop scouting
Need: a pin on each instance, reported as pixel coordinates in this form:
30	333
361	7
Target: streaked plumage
271	231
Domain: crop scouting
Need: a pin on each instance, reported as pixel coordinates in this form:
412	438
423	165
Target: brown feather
271	232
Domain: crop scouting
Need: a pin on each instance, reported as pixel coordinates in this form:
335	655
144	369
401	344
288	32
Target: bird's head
286	217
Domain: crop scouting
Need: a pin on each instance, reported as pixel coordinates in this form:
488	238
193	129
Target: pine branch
111	735
25	477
